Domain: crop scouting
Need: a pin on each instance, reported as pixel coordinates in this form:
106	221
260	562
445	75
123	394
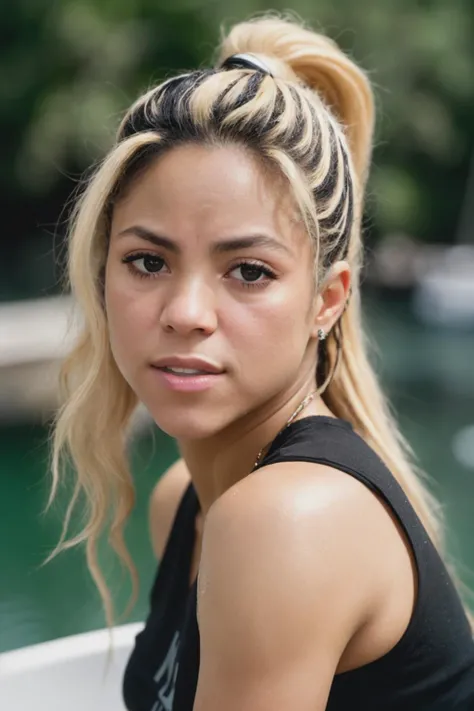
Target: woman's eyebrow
149	236
232	245
229	245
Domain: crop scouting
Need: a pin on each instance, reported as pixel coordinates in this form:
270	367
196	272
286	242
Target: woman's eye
251	273
145	264
149	263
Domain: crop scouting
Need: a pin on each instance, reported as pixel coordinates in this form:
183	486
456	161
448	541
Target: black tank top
430	669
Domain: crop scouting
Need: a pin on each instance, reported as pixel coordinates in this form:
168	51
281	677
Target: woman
216	256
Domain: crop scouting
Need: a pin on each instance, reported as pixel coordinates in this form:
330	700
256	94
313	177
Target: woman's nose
189	306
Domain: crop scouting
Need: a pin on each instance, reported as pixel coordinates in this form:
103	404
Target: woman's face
209	270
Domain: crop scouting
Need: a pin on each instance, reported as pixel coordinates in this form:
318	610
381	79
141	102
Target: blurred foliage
69	68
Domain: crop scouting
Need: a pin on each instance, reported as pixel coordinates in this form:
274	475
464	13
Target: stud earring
321	334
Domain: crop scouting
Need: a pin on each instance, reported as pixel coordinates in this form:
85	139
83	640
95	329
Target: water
428	375
37	602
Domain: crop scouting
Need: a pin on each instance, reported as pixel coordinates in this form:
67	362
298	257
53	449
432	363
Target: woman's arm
282	589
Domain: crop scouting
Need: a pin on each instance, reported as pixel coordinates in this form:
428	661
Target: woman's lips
182	382
188	362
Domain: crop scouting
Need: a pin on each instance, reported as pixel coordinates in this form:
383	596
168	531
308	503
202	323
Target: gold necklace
300	407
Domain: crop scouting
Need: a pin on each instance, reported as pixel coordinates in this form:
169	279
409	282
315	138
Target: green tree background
69	68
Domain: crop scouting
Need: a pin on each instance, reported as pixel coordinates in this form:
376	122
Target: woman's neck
217	463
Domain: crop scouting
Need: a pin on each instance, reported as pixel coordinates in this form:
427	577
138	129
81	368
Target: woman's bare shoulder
279	579
310	543
315	513
164	502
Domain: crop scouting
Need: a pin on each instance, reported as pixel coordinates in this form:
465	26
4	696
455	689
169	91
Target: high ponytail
316	61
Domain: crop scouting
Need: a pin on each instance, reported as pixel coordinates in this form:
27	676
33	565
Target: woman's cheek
128	328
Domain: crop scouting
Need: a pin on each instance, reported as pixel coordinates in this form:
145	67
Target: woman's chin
184	428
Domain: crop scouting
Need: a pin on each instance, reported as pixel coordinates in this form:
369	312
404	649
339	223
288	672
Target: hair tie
246	61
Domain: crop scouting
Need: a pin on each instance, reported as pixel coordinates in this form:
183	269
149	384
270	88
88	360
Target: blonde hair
312	119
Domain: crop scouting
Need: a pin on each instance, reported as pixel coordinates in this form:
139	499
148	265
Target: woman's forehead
216	191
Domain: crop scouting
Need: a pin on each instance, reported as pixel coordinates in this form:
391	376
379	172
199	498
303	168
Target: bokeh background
68	69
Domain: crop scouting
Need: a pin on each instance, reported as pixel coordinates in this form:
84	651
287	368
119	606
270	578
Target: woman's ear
332	298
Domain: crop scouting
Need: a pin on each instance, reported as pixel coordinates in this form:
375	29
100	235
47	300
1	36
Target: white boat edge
47	654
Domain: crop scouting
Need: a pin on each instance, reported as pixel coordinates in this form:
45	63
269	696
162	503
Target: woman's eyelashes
248	273
251	273
144	264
